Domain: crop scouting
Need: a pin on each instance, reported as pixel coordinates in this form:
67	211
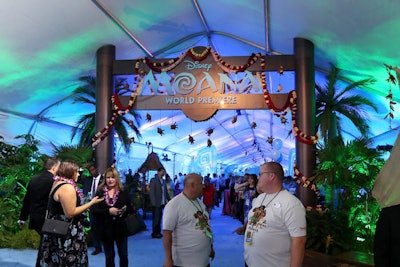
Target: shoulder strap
55	189
50	201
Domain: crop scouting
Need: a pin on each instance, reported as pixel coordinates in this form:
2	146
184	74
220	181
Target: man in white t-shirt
188	236
276	229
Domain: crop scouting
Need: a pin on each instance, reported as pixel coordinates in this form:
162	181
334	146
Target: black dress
70	251
112	229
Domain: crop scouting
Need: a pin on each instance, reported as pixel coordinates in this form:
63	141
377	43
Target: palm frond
79	153
332	103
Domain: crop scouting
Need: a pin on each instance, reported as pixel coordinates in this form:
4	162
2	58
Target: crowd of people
181	213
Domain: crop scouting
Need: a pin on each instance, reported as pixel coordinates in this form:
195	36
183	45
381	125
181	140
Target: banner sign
199	85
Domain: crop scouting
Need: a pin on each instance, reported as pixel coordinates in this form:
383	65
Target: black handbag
134	224
52	226
55	227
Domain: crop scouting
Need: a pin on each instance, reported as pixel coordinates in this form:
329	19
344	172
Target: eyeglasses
261	173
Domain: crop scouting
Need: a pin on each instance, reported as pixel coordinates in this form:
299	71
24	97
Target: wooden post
104	90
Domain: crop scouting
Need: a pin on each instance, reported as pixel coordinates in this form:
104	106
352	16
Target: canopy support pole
104	91
305	115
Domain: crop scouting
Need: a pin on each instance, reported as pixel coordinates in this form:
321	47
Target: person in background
110	215
240	185
236	196
229	180
208	195
170	186
233	195
176	189
36	198
217	195
188	237
249	193
276	228
128	177
222	185
90	186
65	204
158	198
181	178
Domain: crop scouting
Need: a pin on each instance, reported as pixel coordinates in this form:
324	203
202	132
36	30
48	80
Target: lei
71	182
110	201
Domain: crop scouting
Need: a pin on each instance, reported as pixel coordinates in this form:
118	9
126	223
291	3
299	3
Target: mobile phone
123	209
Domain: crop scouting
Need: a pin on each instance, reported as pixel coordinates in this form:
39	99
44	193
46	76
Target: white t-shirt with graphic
269	231
190	245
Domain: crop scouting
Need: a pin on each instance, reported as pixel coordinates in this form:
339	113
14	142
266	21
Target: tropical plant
80	153
347	164
351	168
332	103
18	163
326	232
86	94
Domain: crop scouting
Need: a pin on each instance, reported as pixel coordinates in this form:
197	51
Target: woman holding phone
111	215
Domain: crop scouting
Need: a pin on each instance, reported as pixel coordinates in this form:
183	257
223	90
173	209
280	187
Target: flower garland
110	201
391	80
291	104
118	110
159	66
235	69
199	57
118	106
71	182
300	135
305	182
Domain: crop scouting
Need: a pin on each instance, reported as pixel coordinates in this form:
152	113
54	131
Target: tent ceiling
46	45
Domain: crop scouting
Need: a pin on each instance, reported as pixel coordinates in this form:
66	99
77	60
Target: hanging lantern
209	143
191	140
160	131
270	140
234	119
148	117
209	131
283	120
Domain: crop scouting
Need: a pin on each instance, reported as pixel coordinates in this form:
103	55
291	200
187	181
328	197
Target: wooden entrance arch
301	62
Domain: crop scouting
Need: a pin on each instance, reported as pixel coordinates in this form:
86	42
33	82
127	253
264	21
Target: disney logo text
190	65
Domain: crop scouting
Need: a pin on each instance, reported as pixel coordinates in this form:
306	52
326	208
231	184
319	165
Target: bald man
186	216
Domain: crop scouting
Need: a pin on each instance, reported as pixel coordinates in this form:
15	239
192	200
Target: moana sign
199	83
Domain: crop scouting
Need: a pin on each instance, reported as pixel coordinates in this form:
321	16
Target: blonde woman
111	214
